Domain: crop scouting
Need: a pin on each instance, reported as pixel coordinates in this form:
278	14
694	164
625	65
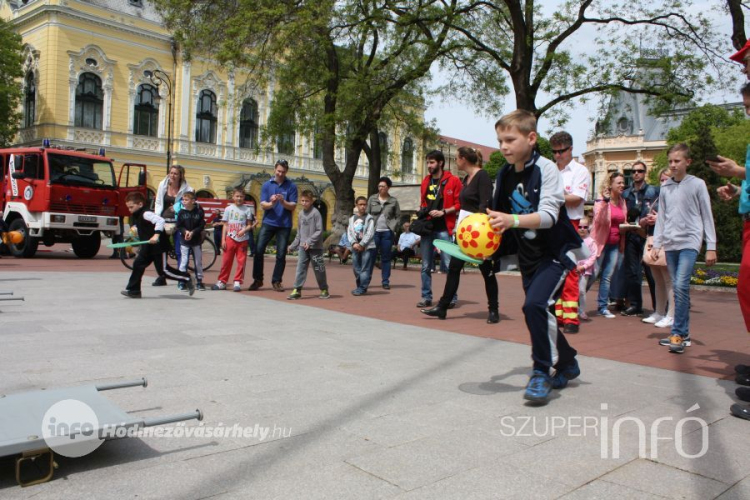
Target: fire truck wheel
86	247
28	247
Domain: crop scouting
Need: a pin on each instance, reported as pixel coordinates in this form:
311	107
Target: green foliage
703	130
496	162
554	55
11	69
341	69
729	131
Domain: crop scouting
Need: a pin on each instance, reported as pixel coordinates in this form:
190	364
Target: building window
249	124
205	118
285	140
407	156
383	140
146	117
29	107
204	194
89	101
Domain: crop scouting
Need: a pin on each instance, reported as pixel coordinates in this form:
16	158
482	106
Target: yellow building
628	134
106	73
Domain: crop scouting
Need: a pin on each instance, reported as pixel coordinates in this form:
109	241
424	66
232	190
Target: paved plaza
363	397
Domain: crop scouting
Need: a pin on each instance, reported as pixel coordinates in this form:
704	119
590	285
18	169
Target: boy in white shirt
239	220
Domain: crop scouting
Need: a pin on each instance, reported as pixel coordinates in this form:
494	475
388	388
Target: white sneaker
654	318
237	286
665	322
606	313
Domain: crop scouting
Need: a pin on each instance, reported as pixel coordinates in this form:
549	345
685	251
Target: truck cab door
132	178
28	183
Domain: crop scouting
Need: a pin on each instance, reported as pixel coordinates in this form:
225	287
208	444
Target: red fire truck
60	195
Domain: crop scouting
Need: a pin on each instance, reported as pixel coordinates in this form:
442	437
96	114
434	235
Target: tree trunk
342	186
376	162
344	205
738	23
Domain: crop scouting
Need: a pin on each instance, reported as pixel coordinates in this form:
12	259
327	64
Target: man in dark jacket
640	198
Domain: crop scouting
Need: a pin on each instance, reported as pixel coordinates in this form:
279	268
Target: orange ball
476	238
16	237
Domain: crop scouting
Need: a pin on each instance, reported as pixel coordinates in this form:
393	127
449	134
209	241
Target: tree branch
598	88
554	44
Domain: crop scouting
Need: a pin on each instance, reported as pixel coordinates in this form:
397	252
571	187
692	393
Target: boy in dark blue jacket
529	207
190	223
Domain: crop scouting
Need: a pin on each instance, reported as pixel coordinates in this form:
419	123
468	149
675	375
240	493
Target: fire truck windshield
77	171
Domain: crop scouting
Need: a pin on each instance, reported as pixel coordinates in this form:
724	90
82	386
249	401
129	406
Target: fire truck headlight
58	219
111	221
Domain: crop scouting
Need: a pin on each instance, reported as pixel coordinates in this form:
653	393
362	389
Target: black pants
145	257
549	347
454	277
633	268
405	254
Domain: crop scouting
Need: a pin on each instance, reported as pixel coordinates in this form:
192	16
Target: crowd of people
539	205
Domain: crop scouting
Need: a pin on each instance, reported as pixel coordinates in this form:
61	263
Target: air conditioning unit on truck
54	195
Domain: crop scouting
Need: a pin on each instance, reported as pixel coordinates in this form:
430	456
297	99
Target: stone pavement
363	398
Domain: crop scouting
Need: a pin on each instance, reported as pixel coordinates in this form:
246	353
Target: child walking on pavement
238	220
530	208
309	241
150	227
190	224
683	222
586	267
361	233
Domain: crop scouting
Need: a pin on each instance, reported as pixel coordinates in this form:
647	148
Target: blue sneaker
358	291
561	377
538	387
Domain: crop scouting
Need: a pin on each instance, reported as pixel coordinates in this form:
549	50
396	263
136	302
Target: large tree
11	69
736	10
555	55
337	66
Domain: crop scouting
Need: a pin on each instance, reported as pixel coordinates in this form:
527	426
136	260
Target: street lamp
157	77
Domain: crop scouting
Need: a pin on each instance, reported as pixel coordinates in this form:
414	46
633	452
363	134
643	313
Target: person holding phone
278	199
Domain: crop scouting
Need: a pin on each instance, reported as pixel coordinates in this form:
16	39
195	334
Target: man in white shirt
407	244
576	181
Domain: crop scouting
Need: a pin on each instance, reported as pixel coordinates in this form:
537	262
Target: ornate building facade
629	133
107	73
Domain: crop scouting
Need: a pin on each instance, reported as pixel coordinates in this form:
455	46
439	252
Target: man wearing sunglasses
576	180
641	199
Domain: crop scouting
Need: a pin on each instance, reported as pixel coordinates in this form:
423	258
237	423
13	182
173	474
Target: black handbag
422	226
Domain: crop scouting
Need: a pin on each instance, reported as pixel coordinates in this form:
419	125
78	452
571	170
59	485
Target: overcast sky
456	119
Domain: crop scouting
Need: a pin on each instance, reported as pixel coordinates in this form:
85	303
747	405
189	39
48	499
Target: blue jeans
428	257
282	241
609	262
384	245
177	237
362	264
680	264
